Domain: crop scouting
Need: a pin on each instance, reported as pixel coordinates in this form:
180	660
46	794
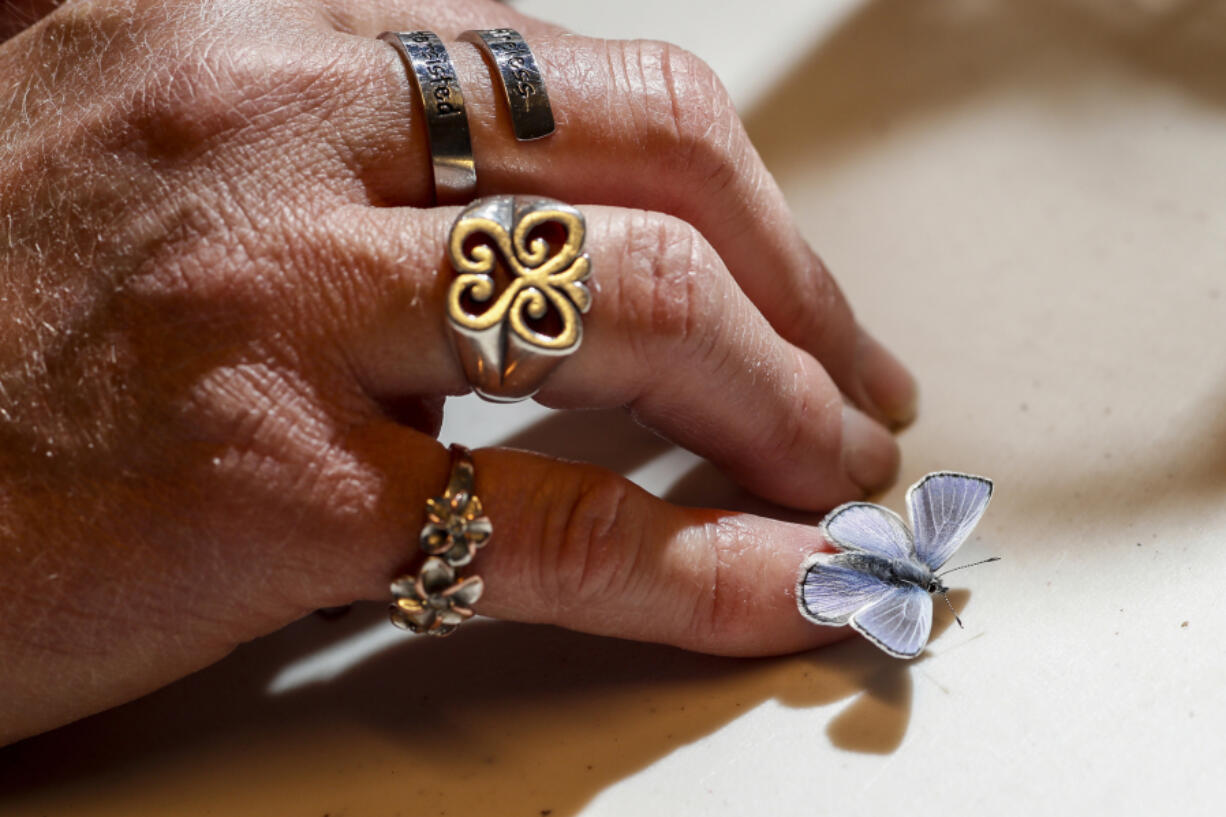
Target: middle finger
669	335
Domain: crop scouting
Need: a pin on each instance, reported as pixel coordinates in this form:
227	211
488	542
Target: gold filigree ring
515	306
435	600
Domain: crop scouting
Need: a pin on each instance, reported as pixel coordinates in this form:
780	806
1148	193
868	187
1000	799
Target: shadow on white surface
705	486
606	437
506	719
897	61
502	718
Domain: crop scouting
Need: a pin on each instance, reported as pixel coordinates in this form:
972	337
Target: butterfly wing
899	623
831	589
945	506
867	528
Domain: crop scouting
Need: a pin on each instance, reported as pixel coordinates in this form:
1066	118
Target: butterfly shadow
876	720
879	685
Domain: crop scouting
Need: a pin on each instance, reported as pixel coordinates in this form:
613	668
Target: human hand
223	354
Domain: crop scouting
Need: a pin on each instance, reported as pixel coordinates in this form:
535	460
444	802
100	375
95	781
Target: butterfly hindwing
866	528
900	622
945	507
832	589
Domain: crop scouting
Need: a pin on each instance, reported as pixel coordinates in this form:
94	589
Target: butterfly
881	578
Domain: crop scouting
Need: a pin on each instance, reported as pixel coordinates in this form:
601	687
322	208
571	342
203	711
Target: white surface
1026	199
749	44
1031	197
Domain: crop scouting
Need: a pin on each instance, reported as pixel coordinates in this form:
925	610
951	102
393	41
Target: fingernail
886	381
870	454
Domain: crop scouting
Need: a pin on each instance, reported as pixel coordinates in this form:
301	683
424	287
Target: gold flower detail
542	279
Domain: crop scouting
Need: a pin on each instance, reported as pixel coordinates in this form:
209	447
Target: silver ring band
451	150
511	329
522	83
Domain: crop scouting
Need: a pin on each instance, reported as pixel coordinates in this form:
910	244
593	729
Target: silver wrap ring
516	304
523	87
451	150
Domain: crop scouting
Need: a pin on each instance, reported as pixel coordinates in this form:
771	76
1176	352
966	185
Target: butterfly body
897	572
880	579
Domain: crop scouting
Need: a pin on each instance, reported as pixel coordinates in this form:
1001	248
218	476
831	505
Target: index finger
584	548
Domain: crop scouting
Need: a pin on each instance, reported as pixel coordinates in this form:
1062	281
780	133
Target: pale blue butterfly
880	580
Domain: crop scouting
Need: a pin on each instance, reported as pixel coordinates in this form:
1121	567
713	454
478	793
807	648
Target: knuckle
220	80
589	545
687	110
672	290
813	308
250	405
790	431
220	266
167	77
805	410
694	91
211	88
721	602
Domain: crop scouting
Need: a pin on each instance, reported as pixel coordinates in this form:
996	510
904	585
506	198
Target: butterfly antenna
951	607
972	564
960	567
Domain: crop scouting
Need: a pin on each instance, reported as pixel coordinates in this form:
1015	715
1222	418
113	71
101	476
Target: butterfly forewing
832	589
945	508
900	622
868	528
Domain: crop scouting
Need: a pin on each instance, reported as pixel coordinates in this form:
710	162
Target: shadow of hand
506	719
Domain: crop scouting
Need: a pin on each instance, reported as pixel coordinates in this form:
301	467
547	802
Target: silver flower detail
456	525
433	601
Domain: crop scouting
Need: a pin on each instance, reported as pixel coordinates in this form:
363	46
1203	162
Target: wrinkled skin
222	358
